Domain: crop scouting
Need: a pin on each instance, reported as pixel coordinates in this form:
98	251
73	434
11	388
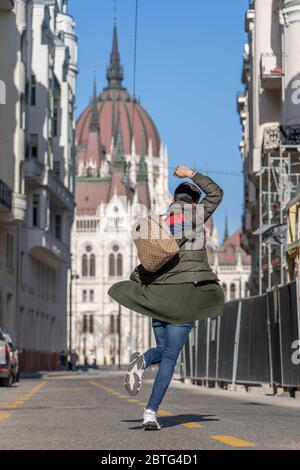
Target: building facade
232	265
270	118
122	172
37	158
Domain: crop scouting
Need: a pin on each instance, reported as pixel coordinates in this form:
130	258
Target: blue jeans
170	339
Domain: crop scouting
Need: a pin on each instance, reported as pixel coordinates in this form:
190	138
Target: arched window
111	264
119	265
232	291
84	265
115	262
88	263
92	265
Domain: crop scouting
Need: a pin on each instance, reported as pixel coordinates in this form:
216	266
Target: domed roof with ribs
114	103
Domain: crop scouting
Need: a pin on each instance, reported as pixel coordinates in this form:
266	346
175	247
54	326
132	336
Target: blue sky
189	60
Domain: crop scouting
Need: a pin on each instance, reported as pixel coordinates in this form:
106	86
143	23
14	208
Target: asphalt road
95	412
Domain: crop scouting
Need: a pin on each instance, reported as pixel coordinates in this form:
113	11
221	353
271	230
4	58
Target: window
84	265
232	291
92	296
115	262
58	226
112	324
9	251
92	266
84	296
88	324
119	265
36	210
85	324
56	168
91	324
33	91
111	264
55	122
34	146
88	263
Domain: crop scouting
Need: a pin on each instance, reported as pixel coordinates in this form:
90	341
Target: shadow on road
177	420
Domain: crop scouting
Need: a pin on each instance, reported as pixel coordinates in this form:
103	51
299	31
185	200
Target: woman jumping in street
181	292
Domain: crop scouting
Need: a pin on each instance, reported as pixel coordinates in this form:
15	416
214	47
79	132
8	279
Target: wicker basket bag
154	241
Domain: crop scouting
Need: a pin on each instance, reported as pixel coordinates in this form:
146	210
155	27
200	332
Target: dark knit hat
187	192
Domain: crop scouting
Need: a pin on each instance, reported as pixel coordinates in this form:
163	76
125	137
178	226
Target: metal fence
252	343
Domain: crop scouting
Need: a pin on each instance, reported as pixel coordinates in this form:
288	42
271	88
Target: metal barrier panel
213	348
227	340
253	360
200	369
289	333
274	337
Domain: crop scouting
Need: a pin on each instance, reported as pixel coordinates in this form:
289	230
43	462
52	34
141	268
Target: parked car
14	357
6	373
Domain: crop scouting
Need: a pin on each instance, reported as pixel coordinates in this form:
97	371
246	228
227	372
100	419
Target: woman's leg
153	355
175	339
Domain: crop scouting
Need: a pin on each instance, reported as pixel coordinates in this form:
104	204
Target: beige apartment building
269	109
38	73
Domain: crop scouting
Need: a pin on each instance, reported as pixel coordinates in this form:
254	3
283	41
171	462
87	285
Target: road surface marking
184	422
14	405
164	413
4	416
191	424
233	441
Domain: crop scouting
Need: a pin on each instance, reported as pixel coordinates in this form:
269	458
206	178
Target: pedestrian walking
182	291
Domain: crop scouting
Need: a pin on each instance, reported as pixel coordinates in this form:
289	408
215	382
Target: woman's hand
183	172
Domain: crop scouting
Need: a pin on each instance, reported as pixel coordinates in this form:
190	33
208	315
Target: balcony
60	194
271	71
45	247
33	171
5	197
37	174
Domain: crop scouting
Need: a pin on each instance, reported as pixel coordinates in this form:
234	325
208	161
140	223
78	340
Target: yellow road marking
191	424
14	405
4	416
164	413
233	441
186	423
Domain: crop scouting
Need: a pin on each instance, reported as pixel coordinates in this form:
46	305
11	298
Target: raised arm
213	194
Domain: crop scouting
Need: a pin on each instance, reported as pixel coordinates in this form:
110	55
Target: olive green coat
183	290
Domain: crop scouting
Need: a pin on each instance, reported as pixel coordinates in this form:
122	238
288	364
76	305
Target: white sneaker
150	420
134	374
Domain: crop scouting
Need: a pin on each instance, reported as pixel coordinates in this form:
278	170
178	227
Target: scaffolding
279	180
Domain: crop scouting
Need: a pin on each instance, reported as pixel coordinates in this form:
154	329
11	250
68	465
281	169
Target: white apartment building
269	108
37	158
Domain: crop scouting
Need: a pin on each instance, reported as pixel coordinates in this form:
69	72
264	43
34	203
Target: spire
94	123
114	73
142	173
226	232
118	160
